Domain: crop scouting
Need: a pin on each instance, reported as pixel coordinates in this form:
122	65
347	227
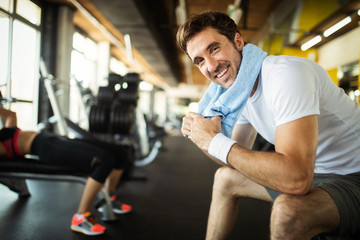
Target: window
19	62
6	5
4	51
83	69
84	60
29	10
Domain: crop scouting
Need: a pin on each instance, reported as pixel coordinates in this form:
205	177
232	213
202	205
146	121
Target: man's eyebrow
212	45
207	48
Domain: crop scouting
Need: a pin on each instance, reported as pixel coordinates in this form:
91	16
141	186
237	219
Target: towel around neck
229	103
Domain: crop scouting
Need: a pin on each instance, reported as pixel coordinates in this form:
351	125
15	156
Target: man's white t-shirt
291	88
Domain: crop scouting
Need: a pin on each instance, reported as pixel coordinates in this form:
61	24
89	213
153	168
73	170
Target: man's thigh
345	191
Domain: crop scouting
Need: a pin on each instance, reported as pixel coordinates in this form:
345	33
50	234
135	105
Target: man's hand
200	130
187	125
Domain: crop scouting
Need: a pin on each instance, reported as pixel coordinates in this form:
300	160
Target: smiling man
313	177
216	59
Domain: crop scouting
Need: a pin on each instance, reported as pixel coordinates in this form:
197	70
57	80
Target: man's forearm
214	159
271	169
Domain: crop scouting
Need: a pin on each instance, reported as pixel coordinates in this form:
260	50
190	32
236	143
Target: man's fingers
193	114
186	132
187	126
216	118
187	122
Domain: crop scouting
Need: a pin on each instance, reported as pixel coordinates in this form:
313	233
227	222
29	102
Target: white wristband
220	147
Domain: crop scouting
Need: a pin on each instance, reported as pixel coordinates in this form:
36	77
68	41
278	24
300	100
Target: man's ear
239	41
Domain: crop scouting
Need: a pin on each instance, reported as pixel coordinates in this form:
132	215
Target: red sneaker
86	225
119	208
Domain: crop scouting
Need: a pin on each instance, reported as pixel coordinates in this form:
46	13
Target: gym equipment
78	131
121	119
99	118
12	100
116	114
30	168
142	143
129	93
117	120
106	95
16	185
106	119
113	115
150	157
48	82
86	95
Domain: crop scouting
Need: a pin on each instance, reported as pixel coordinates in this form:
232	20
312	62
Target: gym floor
172	203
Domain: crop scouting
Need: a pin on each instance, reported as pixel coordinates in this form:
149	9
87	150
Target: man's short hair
197	23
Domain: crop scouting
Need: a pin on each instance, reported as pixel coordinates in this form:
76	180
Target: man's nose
212	65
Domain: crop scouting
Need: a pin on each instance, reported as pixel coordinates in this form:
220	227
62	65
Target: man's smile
222	73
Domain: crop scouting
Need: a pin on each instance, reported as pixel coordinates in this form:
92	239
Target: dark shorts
345	190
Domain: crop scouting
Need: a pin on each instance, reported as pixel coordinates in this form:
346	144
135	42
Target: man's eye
199	61
214	49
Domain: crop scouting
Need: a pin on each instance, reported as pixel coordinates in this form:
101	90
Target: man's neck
255	87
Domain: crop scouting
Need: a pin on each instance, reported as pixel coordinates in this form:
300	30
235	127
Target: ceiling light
359	12
311	43
180	12
145	86
128	48
357	93
234	11
236	15
337	26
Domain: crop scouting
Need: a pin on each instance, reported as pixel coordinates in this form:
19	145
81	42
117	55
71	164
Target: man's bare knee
228	181
287	218
283	210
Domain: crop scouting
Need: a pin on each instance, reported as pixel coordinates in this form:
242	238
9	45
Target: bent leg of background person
229	185
113	180
83	221
111	184
91	189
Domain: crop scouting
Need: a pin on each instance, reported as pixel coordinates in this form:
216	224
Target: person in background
103	161
313	176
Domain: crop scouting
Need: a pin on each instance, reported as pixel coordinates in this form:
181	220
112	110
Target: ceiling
152	26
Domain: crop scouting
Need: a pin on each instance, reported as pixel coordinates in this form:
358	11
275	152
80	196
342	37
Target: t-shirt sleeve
293	91
242	119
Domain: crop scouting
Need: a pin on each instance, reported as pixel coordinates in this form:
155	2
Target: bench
13	173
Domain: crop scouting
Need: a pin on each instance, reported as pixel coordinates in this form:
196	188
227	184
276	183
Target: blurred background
84	44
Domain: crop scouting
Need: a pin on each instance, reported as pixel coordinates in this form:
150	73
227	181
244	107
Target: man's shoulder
284	59
279	72
283	64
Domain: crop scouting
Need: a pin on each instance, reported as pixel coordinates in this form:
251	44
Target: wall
343	50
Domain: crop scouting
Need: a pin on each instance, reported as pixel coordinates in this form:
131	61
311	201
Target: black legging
98	158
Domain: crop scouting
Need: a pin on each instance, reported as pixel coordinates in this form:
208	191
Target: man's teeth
222	73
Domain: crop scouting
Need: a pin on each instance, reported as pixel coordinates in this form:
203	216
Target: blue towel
229	103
